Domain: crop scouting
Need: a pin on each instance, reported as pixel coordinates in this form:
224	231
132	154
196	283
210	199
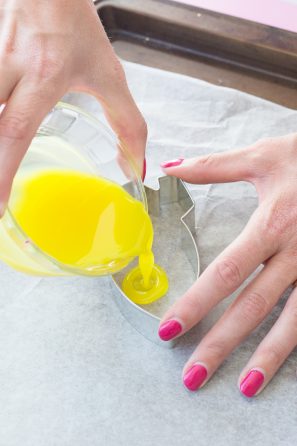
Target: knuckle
141	127
207	161
263	143
216	350
273	355
262	147
254	307
291	309
15	126
47	67
190	306
289	257
278	220
8	47
136	132
228	274
259	157
4	55
143	130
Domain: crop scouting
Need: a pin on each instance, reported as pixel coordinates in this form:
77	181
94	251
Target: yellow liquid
91	225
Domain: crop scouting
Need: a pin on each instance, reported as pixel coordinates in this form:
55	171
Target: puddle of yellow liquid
90	224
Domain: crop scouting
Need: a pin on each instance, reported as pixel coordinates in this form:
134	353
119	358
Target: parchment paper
74	372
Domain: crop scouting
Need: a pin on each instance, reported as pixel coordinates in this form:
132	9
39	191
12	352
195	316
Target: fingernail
172	163
169	330
144	169
195	377
250	385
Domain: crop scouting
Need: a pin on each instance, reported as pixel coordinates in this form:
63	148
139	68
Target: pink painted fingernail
172	163
195	377
169	330
144	169
250	385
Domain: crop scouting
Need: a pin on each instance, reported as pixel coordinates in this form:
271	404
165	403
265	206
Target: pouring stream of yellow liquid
88	223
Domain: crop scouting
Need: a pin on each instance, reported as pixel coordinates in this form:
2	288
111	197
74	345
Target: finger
272	352
250	308
123	115
221	278
19	121
10	69
224	167
9	80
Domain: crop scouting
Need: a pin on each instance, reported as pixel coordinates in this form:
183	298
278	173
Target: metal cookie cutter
171	195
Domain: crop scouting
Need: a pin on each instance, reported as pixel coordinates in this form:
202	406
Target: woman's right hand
47	49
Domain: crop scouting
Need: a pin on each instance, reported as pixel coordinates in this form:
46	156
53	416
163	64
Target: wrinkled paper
62	340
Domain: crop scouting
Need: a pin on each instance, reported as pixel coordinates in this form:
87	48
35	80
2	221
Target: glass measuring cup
68	139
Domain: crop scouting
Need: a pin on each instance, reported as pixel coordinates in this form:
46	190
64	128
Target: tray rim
267	50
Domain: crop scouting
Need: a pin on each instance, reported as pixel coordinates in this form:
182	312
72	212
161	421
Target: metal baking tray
172	211
218	48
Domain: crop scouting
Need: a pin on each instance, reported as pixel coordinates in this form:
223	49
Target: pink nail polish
144	169
250	385
195	377
172	163
169	330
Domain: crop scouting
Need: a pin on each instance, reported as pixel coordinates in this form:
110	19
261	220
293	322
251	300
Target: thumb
214	168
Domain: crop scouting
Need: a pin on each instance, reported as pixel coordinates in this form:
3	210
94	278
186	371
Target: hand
270	237
47	49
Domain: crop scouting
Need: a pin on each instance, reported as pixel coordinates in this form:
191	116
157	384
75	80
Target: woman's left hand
269	238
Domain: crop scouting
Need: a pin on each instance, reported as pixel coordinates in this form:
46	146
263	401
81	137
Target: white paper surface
73	371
